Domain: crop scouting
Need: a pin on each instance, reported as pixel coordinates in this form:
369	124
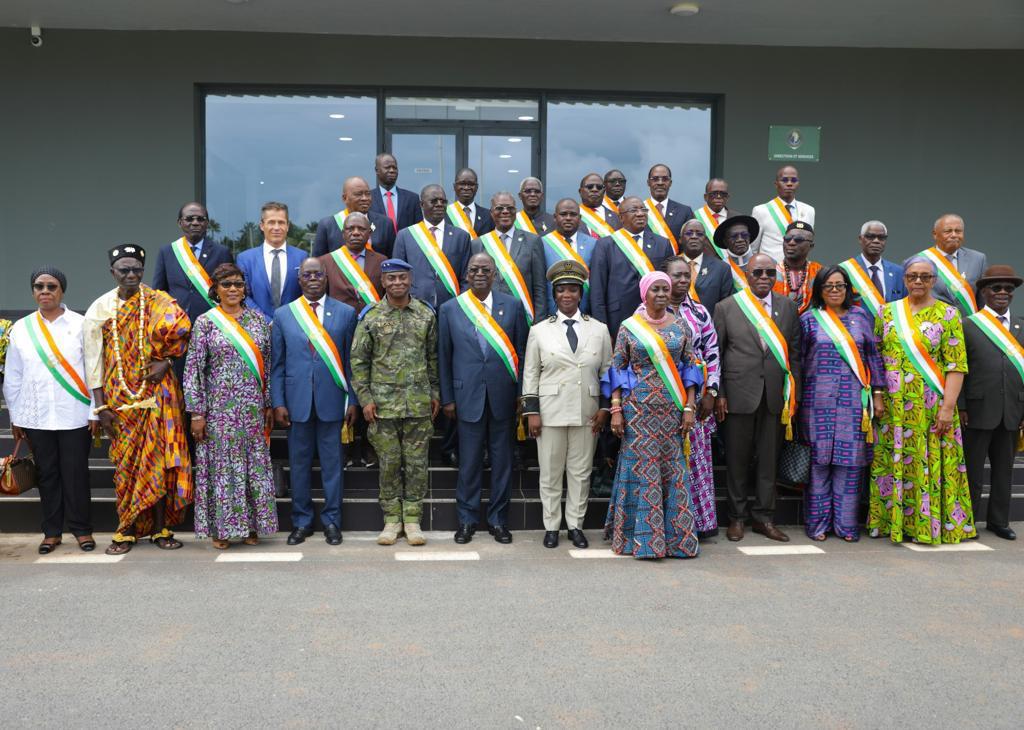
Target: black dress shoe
551	539
1006	533
501	534
451	460
465	534
332	533
579	540
299	535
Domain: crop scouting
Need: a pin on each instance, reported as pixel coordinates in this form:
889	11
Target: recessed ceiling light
526	118
513	171
685	9
515	139
337	116
344	139
261	182
505	157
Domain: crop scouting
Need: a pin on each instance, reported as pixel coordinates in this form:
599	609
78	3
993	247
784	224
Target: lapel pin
703	271
501	312
328	314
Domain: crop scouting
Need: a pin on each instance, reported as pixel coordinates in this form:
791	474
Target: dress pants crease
749	438
496	435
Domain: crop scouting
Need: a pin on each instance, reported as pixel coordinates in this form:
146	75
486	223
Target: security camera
37	37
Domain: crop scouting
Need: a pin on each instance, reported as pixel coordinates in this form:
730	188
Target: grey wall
99	128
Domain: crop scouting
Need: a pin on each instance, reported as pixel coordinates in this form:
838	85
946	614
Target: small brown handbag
17	474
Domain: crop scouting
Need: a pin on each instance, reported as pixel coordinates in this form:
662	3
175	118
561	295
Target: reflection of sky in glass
424	159
588	137
504	110
500	165
285	148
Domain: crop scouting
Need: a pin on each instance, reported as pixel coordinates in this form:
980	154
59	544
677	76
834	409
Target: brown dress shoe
735	531
770	531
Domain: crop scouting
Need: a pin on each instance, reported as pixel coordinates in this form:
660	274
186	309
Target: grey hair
919	259
935	226
502	192
355	213
864	228
527	179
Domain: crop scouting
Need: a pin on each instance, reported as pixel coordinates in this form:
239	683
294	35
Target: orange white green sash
1001	338
707	218
632	252
510	273
657	350
524	223
753	310
595	221
832	326
871	297
954	280
780	214
66	376
321	342
355	275
560	247
739	279
340	217
194	271
913	346
241	341
435	257
611	205
457	215
484	323
656	222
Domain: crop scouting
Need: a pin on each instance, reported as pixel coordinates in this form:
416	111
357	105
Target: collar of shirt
472	210
571	240
699	260
394	195
767	302
867	265
197	247
320	305
575	317
741	261
439	227
996	314
952	256
511	232
268	249
488	302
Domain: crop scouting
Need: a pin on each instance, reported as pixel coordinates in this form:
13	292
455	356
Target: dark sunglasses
789	179
480	270
738	236
763	273
594	186
195	218
503	208
126	270
994	288
54	287
797	239
232	284
311	275
615	181
876	236
718	194
841	286
919	277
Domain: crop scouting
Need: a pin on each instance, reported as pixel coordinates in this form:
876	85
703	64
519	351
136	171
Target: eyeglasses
126	270
615	181
876	236
630	211
693	233
796	239
503	208
763	273
738	236
919	277
54	287
480	270
658	178
994	288
531	191
789	179
195	218
311	275
828	286
594	186
232	284
718	194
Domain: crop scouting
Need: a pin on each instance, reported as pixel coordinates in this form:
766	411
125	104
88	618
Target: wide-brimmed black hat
998	272
749	221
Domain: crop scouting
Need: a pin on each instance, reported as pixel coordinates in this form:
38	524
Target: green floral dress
919	481
5	336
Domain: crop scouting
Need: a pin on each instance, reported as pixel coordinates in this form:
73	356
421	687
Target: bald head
633	214
355	193
761	274
948	233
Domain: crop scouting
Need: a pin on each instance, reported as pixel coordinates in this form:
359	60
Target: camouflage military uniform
394	364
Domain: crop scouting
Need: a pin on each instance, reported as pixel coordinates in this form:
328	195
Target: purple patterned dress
234	483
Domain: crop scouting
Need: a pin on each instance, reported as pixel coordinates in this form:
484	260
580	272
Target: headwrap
126	251
50	271
648	280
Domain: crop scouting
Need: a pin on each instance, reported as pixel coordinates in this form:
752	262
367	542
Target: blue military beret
392	265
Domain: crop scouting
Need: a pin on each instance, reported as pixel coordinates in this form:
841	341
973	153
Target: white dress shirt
488	302
384	198
1003	319
439	233
769	239
698	262
472	211
268	261
881	272
575	317
34	398
319	309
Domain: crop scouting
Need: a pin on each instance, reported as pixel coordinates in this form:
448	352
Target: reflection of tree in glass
250	235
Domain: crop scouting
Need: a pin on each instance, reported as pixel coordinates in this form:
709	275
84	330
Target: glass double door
501	154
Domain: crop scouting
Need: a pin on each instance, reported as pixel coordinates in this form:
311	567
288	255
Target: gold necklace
132	394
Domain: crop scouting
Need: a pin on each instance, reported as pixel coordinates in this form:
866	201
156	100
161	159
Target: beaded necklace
132	394
797	284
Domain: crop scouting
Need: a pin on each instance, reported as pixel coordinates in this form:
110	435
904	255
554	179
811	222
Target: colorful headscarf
648	281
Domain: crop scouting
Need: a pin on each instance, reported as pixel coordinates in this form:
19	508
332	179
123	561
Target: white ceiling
980	24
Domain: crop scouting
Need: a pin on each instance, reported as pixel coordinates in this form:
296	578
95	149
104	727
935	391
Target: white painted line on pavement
259	558
781	550
963	547
71	559
437	555
594	553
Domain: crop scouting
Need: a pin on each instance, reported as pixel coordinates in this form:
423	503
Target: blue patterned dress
650	513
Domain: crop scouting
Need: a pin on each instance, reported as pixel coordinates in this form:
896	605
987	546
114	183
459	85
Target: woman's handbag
17	474
794	468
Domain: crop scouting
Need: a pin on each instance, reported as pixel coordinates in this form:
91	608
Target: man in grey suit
710	275
531	193
522	246
948	235
750	399
992	400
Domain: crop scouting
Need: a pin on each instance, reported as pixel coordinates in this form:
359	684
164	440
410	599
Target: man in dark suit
750	400
615	275
271	270
531	193
710	275
992	400
308	398
432	282
614	190
523	247
713	213
401	206
948	237
594	217
674	214
885	277
343	281
569	232
464	213
480	389
356	195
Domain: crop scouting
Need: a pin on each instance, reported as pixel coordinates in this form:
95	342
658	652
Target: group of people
629	324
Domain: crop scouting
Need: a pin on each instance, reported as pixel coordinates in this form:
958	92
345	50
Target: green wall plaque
795	144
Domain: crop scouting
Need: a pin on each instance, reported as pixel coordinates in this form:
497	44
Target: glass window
293	149
585	137
492	110
424	158
501	162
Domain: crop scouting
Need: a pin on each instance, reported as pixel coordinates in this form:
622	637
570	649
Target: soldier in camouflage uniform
394	373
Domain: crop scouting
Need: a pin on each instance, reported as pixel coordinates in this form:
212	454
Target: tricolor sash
769	332
656	222
61	370
847	348
633	253
657	350
871	297
194	271
611	205
241	341
524	223
560	247
340	217
780	214
484	323
510	273
1001	338
707	218
739	279
595	221
913	346
458	217
355	276
954	280
435	257
321	342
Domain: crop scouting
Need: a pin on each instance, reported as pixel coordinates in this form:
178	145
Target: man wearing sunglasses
775	215
531	193
592	206
884	276
796	272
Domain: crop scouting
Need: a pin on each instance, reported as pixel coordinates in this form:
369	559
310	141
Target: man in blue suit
614	277
479	390
399	205
659	182
465	188
574	237
312	395
711	277
356	195
270	270
430	283
885	276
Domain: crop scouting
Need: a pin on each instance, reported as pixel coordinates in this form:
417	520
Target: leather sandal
48	545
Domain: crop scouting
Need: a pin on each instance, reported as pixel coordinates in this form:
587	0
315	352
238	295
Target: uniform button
577	382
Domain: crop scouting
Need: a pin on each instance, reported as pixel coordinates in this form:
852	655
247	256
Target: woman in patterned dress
705	350
832	410
918	478
649	513
234	485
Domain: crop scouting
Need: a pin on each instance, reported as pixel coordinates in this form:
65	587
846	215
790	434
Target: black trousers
752	443
998	445
62	462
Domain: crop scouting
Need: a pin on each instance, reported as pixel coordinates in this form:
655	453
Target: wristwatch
713	392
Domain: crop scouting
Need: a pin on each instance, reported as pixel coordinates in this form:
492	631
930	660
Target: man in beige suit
566	355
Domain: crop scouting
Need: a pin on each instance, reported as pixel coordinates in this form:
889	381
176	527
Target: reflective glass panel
496	110
424	159
501	162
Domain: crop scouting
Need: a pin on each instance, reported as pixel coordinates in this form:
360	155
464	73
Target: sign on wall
789	143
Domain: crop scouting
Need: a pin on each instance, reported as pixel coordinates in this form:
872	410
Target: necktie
391	210
570	334
481	340
433	232
275	277
764	345
718	216
1003	321
504	240
792	210
195	252
314	306
874	277
468	214
636	237
661	209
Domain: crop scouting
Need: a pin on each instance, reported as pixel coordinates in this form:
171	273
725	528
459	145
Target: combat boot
413	534
389	535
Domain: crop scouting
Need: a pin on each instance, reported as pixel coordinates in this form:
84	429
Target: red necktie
313	306
391	211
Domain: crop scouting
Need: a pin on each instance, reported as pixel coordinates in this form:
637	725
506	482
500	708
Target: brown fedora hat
999	272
